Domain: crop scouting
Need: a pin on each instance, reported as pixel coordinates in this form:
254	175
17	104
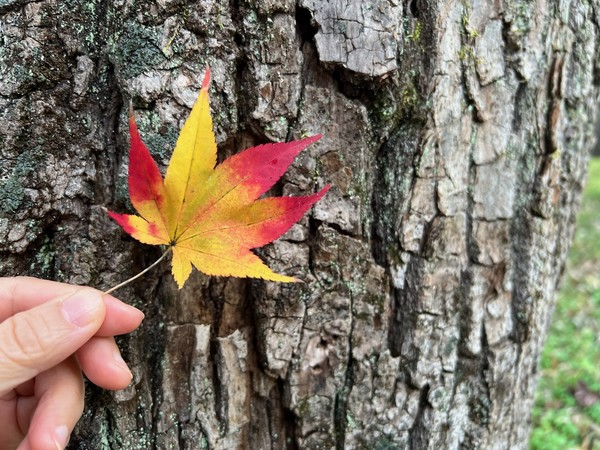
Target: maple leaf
210	215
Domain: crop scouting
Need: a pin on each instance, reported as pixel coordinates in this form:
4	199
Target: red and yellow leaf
212	217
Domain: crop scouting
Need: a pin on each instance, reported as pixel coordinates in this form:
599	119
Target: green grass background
572	352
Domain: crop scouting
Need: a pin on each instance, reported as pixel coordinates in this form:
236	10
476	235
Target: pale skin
49	334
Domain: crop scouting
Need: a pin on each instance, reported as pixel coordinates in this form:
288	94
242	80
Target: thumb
35	340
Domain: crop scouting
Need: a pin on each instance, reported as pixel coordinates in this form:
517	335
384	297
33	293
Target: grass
571	357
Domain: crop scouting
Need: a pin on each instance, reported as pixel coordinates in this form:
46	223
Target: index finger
23	293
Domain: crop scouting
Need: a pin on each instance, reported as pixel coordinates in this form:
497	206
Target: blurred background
567	408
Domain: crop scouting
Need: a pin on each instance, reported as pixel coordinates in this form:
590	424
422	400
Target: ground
567	409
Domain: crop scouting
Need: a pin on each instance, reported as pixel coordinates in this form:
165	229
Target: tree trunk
456	141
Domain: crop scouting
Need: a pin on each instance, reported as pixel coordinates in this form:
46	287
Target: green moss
450	346
409	96
104	437
385	443
79	18
520	13
392	185
480	409
161	144
122	191
251	19
303	408
12	190
159	139
136	49
464	20
203	442
467	55
352	423
402	102
415	34
11	195
376	300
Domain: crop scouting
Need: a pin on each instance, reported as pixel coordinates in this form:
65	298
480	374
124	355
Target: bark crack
341	397
418	436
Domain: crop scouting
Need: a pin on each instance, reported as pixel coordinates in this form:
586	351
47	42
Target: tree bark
456	136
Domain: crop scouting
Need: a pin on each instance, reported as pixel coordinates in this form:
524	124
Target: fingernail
120	362
141	314
125	308
82	308
135	311
61	437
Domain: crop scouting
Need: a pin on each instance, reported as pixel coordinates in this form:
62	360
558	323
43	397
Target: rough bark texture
456	140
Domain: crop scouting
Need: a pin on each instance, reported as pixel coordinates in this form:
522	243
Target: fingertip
54	440
60	436
122	308
103	365
60	406
122	366
120	318
35	340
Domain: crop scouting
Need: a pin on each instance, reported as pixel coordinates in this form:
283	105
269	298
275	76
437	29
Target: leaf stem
135	277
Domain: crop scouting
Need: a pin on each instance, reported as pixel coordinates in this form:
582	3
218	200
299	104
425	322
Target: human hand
49	333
